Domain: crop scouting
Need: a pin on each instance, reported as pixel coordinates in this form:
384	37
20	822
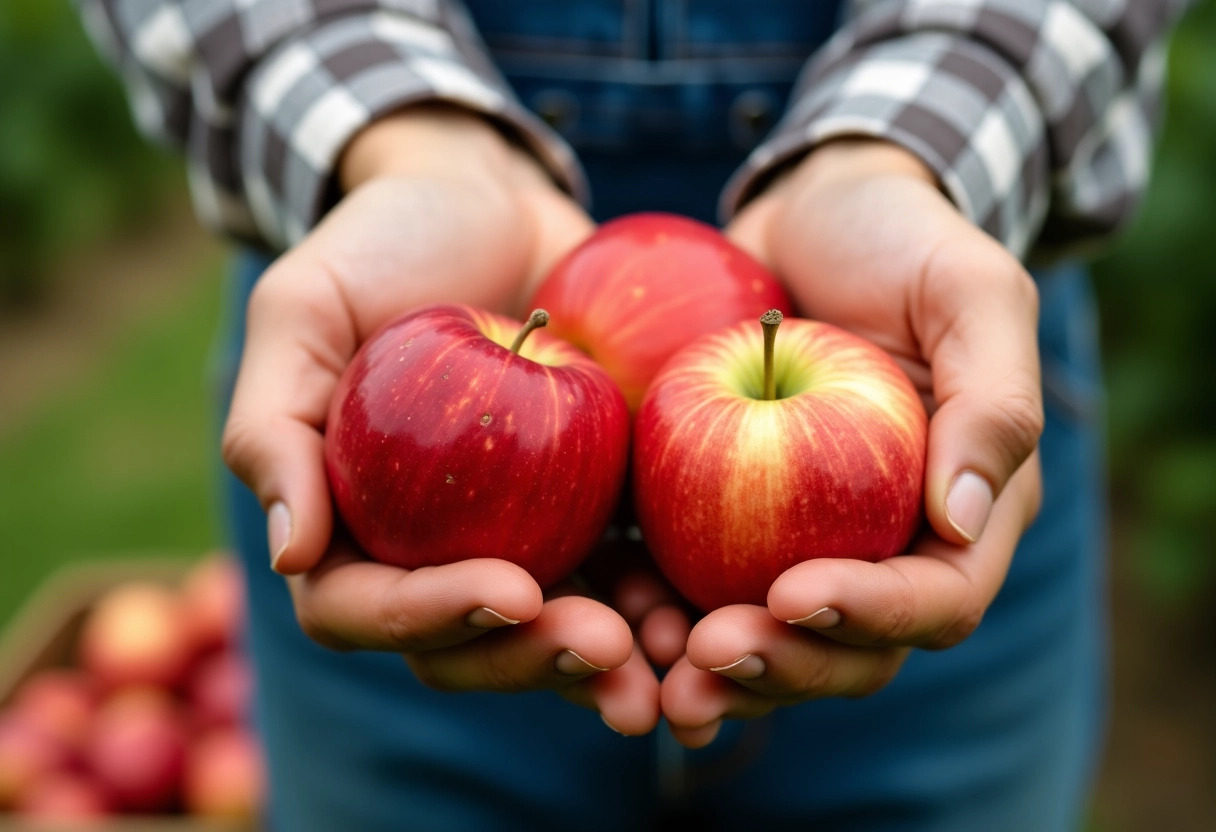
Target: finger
296	347
351	603
571	639
655	612
934	598
663	634
635	589
627	698
694	703
787	664
976	317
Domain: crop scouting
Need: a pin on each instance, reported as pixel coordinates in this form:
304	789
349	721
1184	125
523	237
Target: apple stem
769	321
537	319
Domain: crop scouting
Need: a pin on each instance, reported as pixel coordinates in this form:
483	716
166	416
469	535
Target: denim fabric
662	100
999	733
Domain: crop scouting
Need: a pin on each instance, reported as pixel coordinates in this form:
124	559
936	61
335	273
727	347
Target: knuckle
235	444
499	674
958	630
1019	418
398	627
817	676
885	670
316	629
897	617
428	676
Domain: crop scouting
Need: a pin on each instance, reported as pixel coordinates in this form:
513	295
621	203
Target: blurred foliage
1157	290
121	462
73	169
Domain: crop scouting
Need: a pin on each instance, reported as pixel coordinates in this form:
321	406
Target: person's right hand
439	207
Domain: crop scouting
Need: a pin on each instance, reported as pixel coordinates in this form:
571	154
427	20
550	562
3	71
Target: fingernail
613	727
744	669
278	529
968	504
485	618
570	663
820	619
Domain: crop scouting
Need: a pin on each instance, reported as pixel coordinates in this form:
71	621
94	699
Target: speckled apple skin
441	445
731	490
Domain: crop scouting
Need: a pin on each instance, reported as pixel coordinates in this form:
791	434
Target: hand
438	208
864	240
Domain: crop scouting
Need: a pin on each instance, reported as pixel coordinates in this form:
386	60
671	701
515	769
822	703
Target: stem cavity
537	319
769	321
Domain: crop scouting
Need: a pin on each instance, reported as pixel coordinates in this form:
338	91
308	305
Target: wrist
433	140
851	158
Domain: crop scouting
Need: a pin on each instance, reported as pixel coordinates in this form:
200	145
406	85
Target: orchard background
110	300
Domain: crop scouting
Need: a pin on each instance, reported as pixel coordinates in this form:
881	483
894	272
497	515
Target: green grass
122	462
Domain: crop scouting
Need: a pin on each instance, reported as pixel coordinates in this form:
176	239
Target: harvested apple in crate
124	694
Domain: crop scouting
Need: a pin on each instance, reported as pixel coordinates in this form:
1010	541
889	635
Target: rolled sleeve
310	96
1036	116
263	95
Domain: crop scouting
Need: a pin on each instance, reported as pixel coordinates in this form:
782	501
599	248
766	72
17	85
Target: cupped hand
481	625
438	207
863	239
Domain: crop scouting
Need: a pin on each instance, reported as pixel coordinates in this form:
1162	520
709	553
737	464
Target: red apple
735	484
616	295
213	598
27	754
220	690
225	776
443	444
65	798
137	749
136	634
60	701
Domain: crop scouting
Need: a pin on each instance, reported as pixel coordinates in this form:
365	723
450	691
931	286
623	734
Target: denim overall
662	99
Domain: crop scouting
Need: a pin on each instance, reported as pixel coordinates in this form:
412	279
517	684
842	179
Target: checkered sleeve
264	94
1036	115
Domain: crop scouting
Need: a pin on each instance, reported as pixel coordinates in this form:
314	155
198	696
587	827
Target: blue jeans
999	733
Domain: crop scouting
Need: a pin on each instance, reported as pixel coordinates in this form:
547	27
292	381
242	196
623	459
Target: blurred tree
1157	289
72	168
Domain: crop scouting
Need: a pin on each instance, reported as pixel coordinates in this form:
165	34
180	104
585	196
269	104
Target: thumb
982	349
295	348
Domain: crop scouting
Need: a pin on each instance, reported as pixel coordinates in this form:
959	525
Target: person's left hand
864	240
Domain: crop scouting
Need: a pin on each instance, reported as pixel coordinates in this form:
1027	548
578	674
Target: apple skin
61	702
136	634
137	749
732	490
64	797
225	776
615	296
220	690
213	601
27	755
441	445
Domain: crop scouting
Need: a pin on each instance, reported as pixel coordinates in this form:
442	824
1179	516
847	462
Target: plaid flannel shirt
1036	115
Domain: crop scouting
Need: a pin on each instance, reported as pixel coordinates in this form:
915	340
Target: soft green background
120	458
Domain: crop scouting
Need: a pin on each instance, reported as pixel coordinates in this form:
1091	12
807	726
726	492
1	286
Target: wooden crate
43	634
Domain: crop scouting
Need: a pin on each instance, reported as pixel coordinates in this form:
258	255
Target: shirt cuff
310	96
959	107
